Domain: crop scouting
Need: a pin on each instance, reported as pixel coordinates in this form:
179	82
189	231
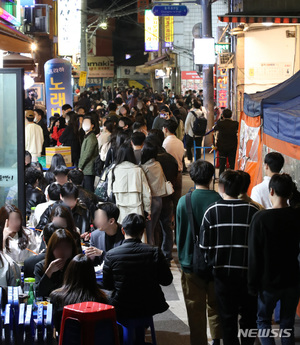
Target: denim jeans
166	226
289	299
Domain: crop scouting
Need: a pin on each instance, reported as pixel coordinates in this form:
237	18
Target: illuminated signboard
222	88
151	32
222	47
69	24
169	31
204	51
8	17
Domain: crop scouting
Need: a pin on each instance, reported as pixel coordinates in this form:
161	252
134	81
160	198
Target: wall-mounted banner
57	85
69	26
169	31
222	88
151	32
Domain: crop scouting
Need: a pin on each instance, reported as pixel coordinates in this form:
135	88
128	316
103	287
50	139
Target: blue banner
58	85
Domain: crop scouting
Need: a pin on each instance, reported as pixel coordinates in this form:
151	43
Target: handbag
101	189
169	188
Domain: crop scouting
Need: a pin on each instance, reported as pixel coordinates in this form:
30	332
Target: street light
103	25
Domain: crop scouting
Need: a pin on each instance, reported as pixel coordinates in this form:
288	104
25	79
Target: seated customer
9	270
53	195
61	174
87	197
30	262
34	195
18	242
69	197
108	235
79	285
49	273
134	272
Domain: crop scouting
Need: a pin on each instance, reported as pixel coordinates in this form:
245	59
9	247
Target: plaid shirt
224	236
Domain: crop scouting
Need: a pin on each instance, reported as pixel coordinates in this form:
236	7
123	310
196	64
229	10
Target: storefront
190	80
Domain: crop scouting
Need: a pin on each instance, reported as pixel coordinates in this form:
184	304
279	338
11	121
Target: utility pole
83	52
208	70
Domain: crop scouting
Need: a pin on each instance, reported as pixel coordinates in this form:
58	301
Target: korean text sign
57	85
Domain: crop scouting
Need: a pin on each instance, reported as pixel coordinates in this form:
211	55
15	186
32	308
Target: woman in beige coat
129	184
157	183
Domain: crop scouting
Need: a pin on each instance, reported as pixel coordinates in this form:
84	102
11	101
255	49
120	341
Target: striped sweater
224	236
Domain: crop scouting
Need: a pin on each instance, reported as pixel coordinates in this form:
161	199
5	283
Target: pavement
171	327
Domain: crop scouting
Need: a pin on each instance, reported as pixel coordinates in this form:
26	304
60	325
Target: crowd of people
118	205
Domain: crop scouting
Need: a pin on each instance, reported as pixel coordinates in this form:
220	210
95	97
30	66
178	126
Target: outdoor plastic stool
134	330
89	323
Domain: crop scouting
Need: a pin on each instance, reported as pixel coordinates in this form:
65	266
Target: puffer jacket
81	216
134	272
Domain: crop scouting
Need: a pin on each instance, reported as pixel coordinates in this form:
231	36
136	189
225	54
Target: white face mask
35	119
86	127
151	108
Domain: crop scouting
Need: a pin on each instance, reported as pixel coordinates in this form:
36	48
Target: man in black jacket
34	195
89	198
227	139
134	272
273	274
69	198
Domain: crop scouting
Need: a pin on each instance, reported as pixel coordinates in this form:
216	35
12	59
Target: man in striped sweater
224	241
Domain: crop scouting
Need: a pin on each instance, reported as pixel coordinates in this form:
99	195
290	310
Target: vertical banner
169	31
57	85
222	88
141	5
151	32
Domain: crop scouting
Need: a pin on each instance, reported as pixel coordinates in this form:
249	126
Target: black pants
223	155
88	182
233	300
189	142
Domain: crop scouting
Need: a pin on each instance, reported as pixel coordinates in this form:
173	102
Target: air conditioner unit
226	60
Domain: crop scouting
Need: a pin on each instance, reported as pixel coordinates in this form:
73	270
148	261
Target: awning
157	60
148	69
13	40
251	19
18	61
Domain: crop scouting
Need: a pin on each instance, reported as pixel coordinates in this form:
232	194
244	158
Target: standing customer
34	137
88	154
273	274
198	290
227	139
70	136
224	241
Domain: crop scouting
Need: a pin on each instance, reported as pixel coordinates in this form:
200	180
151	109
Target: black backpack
199	125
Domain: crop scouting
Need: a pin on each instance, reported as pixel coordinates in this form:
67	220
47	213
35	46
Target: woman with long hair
58	128
157	182
49	273
18	242
57	160
62	217
70	136
9	270
129	184
79	285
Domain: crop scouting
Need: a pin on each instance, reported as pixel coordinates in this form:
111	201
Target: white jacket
18	255
155	177
189	122
9	271
34	139
131	189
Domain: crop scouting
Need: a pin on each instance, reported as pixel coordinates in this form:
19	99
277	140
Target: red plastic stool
89	323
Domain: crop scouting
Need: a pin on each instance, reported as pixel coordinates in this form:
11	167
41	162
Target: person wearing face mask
30	100
88	154
151	115
70	136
